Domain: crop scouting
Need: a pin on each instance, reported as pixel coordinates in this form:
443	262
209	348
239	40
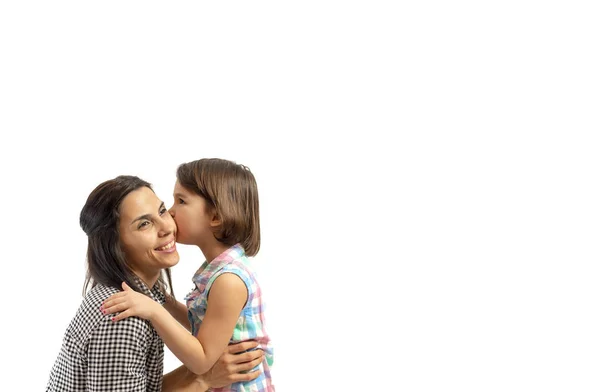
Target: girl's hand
129	303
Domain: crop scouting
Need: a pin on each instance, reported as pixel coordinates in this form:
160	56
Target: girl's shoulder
239	267
241	270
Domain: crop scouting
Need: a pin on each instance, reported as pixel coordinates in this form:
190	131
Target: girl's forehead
181	189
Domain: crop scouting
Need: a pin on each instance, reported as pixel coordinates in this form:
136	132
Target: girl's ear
215	220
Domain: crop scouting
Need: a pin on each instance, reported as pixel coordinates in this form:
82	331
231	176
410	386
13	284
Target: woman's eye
181	201
143	224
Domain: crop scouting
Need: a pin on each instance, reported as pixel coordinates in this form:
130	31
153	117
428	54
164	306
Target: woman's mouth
168	248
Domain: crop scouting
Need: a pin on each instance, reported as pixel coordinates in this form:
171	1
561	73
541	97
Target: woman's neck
149	278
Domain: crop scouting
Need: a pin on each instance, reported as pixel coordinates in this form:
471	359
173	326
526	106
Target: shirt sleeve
116	356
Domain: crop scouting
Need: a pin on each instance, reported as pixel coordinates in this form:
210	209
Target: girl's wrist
155	313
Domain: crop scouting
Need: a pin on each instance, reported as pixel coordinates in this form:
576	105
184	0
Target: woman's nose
168	226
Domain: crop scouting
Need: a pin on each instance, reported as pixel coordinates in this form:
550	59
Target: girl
216	208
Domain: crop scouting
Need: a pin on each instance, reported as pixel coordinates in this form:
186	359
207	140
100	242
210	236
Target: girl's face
147	233
194	217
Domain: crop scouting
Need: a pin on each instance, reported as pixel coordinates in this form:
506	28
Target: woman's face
147	233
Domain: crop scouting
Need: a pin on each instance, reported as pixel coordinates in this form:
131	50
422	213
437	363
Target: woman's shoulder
99	293
92	321
88	315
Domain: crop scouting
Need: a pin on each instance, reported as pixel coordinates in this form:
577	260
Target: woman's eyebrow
142	217
148	216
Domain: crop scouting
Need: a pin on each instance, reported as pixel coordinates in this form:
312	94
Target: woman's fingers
246	367
241	347
249	356
237	377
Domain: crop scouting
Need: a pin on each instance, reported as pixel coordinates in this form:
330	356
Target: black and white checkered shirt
100	355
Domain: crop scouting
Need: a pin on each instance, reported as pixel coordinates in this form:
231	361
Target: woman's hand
234	365
130	303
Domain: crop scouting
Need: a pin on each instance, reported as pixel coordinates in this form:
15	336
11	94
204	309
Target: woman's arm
112	351
179	381
231	367
235	365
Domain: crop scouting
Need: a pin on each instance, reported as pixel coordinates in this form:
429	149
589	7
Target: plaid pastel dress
250	324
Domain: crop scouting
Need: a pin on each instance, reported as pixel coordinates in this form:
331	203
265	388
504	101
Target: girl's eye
181	201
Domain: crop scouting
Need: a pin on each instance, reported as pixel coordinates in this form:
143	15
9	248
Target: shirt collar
233	253
155	293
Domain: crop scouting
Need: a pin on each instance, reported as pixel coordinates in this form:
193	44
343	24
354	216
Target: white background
428	174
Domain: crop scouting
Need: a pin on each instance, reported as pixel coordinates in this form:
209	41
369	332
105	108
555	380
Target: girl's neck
214	249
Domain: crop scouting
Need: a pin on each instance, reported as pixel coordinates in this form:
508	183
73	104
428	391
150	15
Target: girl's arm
178	311
227	298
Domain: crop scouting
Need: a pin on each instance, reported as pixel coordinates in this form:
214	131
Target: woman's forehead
139	202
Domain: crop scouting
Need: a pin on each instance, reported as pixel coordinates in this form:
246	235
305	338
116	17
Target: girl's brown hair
230	189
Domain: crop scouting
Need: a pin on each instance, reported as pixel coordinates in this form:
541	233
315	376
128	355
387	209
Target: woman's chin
168	260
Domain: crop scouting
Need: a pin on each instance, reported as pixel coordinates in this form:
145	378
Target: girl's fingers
115	308
113	301
117	295
121	316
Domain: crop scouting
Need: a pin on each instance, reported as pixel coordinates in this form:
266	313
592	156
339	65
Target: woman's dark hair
99	219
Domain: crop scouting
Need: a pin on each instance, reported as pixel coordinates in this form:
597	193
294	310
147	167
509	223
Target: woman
131	238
